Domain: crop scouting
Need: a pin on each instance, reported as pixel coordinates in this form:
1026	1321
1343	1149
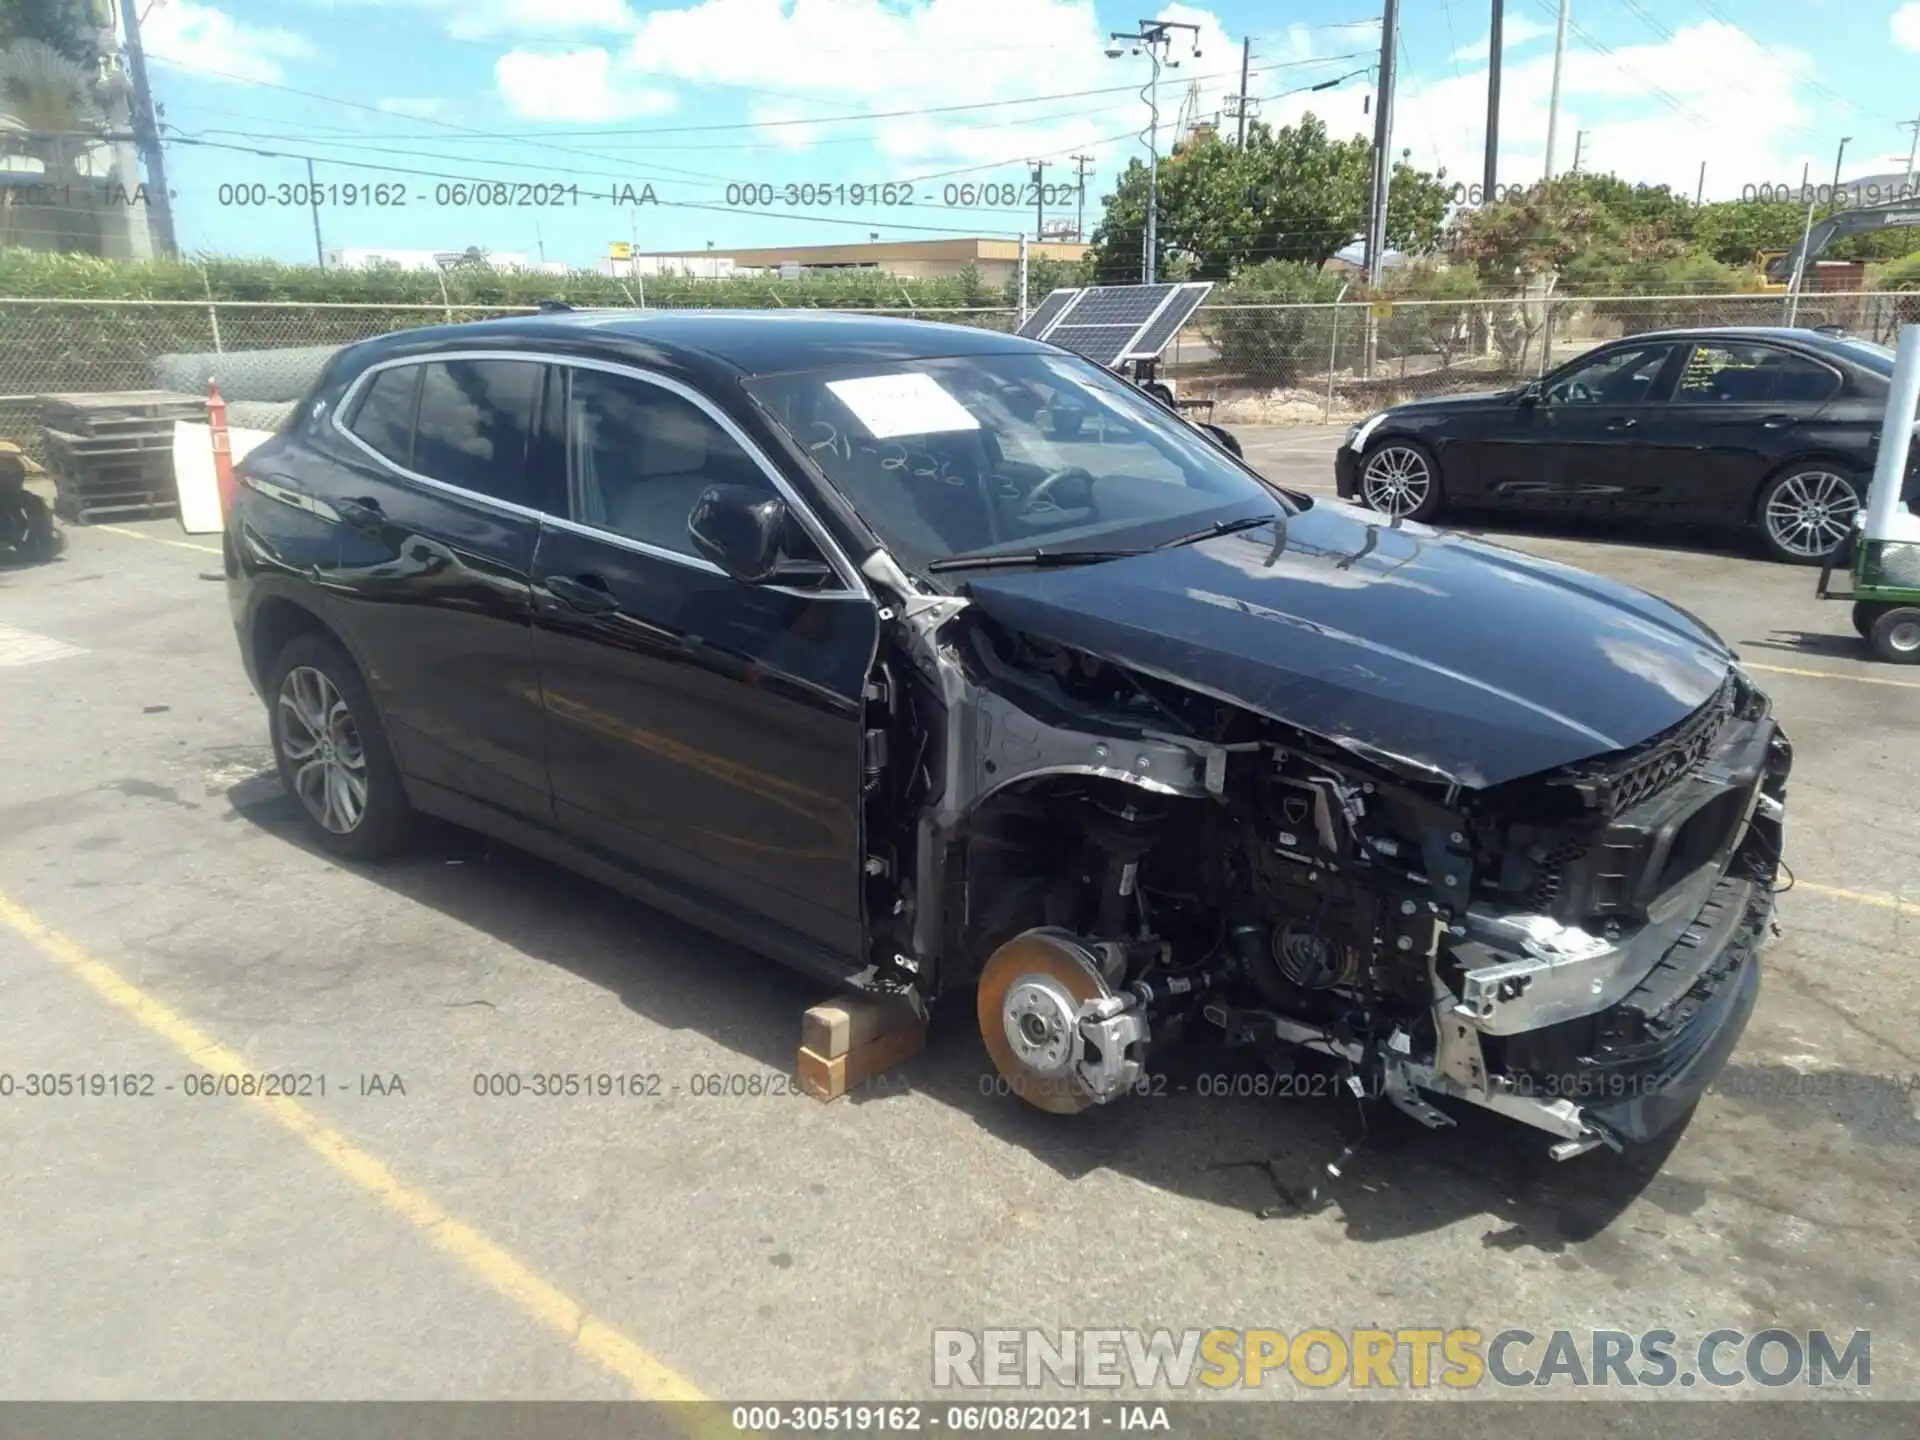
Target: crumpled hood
1468	659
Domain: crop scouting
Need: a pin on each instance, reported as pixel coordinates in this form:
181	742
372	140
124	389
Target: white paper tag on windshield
909	403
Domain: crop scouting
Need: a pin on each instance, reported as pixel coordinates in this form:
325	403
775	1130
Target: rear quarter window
383	415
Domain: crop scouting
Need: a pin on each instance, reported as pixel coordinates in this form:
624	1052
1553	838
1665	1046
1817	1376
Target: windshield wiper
1030	557
1221	527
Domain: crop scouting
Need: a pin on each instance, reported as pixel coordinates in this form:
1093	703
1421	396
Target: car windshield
982	455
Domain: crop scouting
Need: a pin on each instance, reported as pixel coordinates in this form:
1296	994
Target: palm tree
48	114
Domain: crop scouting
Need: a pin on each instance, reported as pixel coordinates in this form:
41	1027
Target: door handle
1622	422
585	593
1777	422
362	512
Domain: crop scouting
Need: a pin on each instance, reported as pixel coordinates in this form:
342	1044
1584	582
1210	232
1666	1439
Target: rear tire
1805	513
332	751
1400	479
1896	635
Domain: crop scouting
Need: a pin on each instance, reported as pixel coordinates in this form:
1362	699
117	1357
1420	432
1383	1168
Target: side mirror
1064	422
1225	439
1532	394
741	530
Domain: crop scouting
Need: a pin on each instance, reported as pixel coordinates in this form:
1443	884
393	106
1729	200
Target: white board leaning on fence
194	477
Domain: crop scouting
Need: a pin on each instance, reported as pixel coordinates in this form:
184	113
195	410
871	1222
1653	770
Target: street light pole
1155	37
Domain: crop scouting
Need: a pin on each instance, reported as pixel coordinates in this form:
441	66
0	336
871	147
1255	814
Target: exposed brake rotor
1030	996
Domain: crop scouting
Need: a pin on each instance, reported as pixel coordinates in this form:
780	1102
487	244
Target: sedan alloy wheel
1809	512
1397	480
322	744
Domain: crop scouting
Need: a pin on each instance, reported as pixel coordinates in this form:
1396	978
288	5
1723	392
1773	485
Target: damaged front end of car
1115	861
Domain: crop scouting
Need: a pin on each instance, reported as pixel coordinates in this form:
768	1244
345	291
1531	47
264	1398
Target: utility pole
1023	282
1081	165
1800	263
1155	37
1833	195
1243	99
1579	138
313	199
1913	150
1382	139
1039	198
1700	190
1553	102
1489	183
146	131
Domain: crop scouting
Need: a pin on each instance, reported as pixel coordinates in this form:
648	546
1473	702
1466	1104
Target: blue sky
692	97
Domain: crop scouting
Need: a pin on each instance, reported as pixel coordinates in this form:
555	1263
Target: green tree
1288	328
1293	194
1439	319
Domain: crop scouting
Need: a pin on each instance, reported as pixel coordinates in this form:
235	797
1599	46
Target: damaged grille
1637	775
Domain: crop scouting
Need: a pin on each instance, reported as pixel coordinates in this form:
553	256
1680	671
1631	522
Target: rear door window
475	420
1743	374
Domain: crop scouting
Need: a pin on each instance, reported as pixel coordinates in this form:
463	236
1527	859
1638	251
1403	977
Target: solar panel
1049	311
1174	313
1111	323
1102	344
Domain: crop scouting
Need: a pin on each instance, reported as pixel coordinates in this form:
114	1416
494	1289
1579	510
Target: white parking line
23	647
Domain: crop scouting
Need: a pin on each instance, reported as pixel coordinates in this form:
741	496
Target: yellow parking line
649	1377
1860	897
156	539
1830	675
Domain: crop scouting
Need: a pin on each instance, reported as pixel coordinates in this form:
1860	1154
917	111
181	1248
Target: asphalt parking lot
401	1236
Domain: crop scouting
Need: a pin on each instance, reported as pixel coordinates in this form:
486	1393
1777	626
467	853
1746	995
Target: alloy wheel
1810	513
1396	481
322	746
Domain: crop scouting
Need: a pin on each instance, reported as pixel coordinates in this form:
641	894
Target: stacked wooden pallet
111	453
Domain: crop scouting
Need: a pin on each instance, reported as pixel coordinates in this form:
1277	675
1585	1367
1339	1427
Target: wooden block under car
844	1043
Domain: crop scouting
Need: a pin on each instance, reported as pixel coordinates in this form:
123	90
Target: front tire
332	751
1896	635
1806	512
1400	479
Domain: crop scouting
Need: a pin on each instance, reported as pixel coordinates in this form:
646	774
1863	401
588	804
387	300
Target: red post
222	451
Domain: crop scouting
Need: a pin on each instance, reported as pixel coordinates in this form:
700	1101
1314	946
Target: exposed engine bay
1114	864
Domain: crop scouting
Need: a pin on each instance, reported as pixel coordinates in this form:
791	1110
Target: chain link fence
264	353
1313	363
1260	364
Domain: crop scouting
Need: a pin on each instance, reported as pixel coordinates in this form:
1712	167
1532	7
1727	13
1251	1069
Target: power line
545	137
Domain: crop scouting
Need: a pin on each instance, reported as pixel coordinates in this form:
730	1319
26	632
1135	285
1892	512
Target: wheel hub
1031	998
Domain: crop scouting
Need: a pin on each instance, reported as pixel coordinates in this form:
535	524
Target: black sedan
1770	428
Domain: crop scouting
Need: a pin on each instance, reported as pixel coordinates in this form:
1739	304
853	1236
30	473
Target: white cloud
207	41
814	57
582	87
486	19
1515	31
1732	103
1905	26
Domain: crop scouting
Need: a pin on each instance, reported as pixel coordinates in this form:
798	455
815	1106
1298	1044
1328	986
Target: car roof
1787	333
753	342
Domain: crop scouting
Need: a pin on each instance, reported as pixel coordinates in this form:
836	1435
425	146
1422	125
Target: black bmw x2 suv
939	662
